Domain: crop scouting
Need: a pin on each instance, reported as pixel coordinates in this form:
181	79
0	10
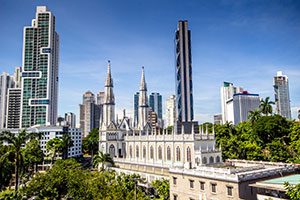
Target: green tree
17	140
102	159
293	191
277	151
6	166
163	188
66	141
91	142
254	115
53	147
266	106
295	138
33	154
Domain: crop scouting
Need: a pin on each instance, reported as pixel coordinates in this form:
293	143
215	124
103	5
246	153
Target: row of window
213	187
178	155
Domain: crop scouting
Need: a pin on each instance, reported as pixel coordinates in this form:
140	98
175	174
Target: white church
137	150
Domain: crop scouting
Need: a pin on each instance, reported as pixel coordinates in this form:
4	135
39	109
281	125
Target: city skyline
215	55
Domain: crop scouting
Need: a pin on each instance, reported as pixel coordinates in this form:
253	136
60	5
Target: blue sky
244	42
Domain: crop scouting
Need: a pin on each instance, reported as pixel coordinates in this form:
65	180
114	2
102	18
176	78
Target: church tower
109	100
143	103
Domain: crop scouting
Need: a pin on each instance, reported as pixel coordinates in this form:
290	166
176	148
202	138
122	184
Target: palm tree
54	146
66	143
254	115
17	141
92	143
102	159
266	106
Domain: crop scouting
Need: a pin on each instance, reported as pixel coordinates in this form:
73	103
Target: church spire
108	81
143	85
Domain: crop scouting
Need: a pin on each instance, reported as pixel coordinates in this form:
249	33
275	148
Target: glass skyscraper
155	102
184	84
282	96
40	71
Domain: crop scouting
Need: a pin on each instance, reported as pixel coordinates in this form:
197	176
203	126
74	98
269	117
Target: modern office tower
13	108
70	119
40	71
227	92
143	103
87	113
282	96
153	121
184	84
100	98
218	119
6	82
239	106
155	102
136	108
171	111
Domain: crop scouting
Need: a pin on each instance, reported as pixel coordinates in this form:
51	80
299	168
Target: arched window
159	153
204	161
144	152
130	151
112	150
218	159
151	152
211	159
188	155
137	151
168	153
177	154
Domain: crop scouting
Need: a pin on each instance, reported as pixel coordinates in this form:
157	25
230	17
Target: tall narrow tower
184	84
282	96
109	100
143	103
40	71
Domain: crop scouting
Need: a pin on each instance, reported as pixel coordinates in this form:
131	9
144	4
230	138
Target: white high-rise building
6	82
40	71
171	111
239	106
282	96
227	92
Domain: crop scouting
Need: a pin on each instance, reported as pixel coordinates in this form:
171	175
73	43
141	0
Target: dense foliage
293	191
269	138
90	144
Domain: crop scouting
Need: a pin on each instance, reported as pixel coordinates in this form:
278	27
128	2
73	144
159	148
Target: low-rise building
231	180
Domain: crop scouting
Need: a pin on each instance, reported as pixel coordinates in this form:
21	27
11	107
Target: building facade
282	96
155	102
184	84
170	111
227	92
136	108
6	82
13	108
70	119
218	119
239	106
40	71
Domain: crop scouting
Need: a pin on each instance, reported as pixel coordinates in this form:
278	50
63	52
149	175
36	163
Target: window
188	155
204	160
178	154
229	191
214	188
191	184
211	160
130	151
218	159
168	153
174	180
151	152
137	151
202	185
175	197
111	150
144	152
159	153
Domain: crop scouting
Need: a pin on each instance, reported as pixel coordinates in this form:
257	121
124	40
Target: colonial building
151	155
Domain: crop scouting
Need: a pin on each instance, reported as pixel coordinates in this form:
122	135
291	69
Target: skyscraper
184	84
171	111
227	92
70	119
282	96
100	97
136	108
6	82
155	102
40	71
86	113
